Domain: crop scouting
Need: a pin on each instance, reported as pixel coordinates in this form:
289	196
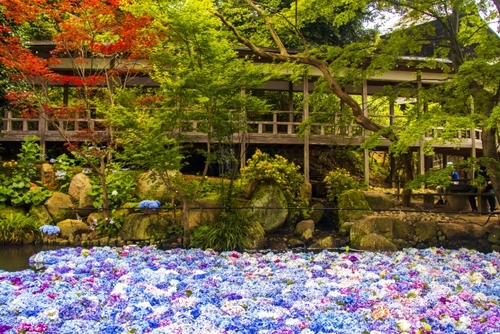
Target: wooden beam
306	135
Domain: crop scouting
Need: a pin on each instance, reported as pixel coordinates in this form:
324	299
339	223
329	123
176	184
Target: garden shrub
14	228
339	181
109	228
213	188
120	184
276	170
228	232
15	189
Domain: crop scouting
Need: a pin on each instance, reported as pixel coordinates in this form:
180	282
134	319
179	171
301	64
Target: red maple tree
96	43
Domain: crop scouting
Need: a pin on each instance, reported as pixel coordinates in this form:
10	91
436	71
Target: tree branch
269	25
334	86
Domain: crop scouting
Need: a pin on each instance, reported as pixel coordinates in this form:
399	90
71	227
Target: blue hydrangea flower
149	204
49	229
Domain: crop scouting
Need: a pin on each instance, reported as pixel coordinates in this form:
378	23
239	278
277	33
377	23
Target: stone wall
393	230
84	241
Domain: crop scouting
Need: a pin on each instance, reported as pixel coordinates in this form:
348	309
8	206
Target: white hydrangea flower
463	322
404	325
476	278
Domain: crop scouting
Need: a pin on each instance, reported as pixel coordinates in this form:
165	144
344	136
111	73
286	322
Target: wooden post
42	128
366	156
421	153
481	205
306	134
473	153
243	139
290	128
66	95
392	161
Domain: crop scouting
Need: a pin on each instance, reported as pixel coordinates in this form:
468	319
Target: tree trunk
105	200
492	163
185	224
408	167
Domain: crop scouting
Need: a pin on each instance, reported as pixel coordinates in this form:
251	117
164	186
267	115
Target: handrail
25	126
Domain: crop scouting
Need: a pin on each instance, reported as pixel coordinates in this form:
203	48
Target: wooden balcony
275	131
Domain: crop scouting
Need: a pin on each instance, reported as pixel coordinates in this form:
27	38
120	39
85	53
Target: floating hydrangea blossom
147	290
149	204
49	229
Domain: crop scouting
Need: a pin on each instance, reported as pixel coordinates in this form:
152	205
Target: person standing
454	177
486	188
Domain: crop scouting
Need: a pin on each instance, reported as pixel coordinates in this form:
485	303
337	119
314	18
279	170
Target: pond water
16	257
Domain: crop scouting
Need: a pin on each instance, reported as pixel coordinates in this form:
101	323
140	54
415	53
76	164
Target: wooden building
281	127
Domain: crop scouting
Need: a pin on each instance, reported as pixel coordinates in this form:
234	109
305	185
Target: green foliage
210	187
149	139
120	184
441	176
276	170
28	157
432	178
201	79
14	228
379	167
112	227
339	181
36	196
227	233
64	169
15	188
322	161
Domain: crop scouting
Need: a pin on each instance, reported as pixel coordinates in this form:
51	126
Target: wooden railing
16	128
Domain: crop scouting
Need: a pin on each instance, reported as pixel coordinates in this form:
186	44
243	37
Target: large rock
305	229
79	183
376	243
72	227
422	230
345	228
401	229
94	218
426	232
40	212
138	226
378	201
47	176
150	186
494	236
78	190
388	226
268	206
359	230
256	237
327	242
203	211
250	188
317	212
355	204
60	207
470	232
306	191
304	225
383	225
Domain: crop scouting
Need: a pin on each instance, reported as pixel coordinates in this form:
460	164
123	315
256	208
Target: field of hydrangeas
146	290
